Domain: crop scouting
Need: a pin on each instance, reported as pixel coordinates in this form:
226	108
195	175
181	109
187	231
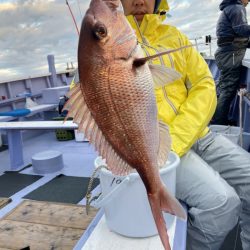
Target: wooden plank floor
4	202
44	225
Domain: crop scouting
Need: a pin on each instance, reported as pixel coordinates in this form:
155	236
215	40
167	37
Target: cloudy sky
32	29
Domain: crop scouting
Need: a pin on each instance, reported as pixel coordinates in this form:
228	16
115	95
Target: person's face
138	8
244	2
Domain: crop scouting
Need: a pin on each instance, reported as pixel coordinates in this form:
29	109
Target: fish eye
100	31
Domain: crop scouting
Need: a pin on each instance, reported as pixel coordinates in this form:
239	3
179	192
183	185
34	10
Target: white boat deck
78	160
78	156
116	241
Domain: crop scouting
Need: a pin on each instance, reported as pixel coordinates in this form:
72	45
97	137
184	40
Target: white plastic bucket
125	201
79	136
231	132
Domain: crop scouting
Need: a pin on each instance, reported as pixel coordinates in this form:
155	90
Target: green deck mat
12	182
65	189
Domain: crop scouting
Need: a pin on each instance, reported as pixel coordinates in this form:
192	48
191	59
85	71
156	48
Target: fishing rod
73	17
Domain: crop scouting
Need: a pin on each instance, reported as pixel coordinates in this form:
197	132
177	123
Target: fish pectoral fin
163	75
164	144
171	205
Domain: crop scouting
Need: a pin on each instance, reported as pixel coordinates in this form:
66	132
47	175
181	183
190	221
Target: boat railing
13	92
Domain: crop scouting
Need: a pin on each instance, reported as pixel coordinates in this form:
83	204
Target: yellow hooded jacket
187	104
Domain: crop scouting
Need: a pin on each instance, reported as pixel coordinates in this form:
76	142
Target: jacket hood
226	3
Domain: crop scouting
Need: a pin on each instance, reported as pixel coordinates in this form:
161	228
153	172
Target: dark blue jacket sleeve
237	16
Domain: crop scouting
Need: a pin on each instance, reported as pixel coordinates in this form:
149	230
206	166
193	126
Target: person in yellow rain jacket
213	178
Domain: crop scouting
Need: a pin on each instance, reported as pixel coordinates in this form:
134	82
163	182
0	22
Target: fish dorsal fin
163	75
164	145
79	111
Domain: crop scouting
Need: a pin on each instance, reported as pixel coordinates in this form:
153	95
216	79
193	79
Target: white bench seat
24	125
7	118
41	108
13	130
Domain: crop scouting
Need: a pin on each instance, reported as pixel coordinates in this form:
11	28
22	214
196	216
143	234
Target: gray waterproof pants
214	180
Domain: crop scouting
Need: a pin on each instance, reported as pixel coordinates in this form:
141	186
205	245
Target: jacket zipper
144	42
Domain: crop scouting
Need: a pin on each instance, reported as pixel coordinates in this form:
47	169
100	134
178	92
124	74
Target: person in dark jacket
233	34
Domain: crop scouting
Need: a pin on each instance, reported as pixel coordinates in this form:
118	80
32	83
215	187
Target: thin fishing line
73	17
78	4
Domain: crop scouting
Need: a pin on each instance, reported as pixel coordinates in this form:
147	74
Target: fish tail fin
164	201
171	205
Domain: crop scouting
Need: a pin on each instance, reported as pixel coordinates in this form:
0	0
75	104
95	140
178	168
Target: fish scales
115	107
125	112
